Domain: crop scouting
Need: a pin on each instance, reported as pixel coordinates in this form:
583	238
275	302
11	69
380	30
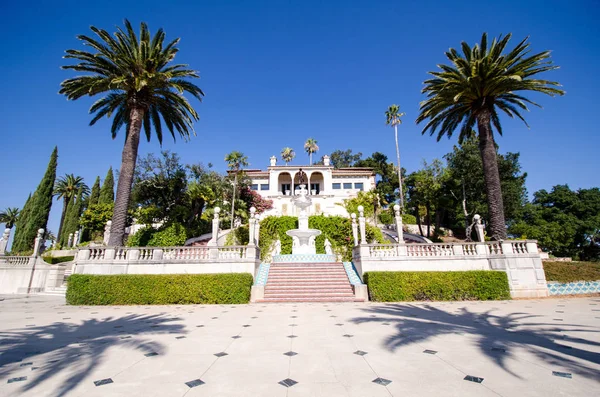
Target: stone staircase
308	282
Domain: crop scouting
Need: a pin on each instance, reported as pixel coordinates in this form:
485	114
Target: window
264	187
254	187
286	187
347	185
315	187
359	186
336	186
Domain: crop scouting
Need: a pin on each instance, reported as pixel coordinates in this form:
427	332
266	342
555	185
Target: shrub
431	286
168	236
158	289
387	217
408	219
566	272
60	259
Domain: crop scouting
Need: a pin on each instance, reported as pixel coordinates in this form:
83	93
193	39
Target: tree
565	222
93	220
37	215
22	220
310	147
424	190
465	186
235	161
206	190
65	188
480	82
95	194
75	208
141	88
287	154
254	199
385	176
9	217
161	183
344	158
392	116
107	191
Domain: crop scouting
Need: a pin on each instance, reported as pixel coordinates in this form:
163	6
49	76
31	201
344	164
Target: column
362	224
215	227
251	227
399	230
354	229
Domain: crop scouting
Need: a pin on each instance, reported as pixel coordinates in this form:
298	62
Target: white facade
327	186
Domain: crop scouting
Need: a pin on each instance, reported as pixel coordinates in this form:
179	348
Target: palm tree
393	115
65	188
140	87
235	161
480	82
287	154
310	146
9	217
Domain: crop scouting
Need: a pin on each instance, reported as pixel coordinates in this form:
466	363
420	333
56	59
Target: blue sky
278	72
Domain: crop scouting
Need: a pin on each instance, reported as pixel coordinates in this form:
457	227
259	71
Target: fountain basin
304	240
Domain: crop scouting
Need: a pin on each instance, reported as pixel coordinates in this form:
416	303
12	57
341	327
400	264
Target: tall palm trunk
128	160
310	158
62	218
399	171
487	149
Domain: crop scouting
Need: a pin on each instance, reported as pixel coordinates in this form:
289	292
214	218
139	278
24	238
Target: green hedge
158	289
60	259
566	272
435	286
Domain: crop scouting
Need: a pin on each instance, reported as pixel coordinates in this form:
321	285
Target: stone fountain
303	237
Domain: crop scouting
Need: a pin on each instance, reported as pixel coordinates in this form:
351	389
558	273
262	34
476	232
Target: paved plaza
547	347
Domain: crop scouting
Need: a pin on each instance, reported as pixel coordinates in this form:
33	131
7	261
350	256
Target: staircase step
318	288
308	282
317	299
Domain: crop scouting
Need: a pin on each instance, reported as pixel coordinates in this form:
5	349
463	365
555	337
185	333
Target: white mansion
327	186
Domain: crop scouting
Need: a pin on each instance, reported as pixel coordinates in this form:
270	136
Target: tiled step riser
300	295
308	290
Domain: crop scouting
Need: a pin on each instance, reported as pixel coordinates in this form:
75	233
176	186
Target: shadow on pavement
77	349
497	336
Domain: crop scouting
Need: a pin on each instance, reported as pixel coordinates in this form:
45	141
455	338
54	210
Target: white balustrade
15	260
121	254
97	254
232	252
469	249
146	254
519	247
446	249
185	253
495	248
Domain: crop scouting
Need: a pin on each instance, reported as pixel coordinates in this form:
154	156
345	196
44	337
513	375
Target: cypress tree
21	223
72	218
107	192
40	208
95	195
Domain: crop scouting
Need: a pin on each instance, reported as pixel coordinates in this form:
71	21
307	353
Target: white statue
107	232
277	249
328	249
